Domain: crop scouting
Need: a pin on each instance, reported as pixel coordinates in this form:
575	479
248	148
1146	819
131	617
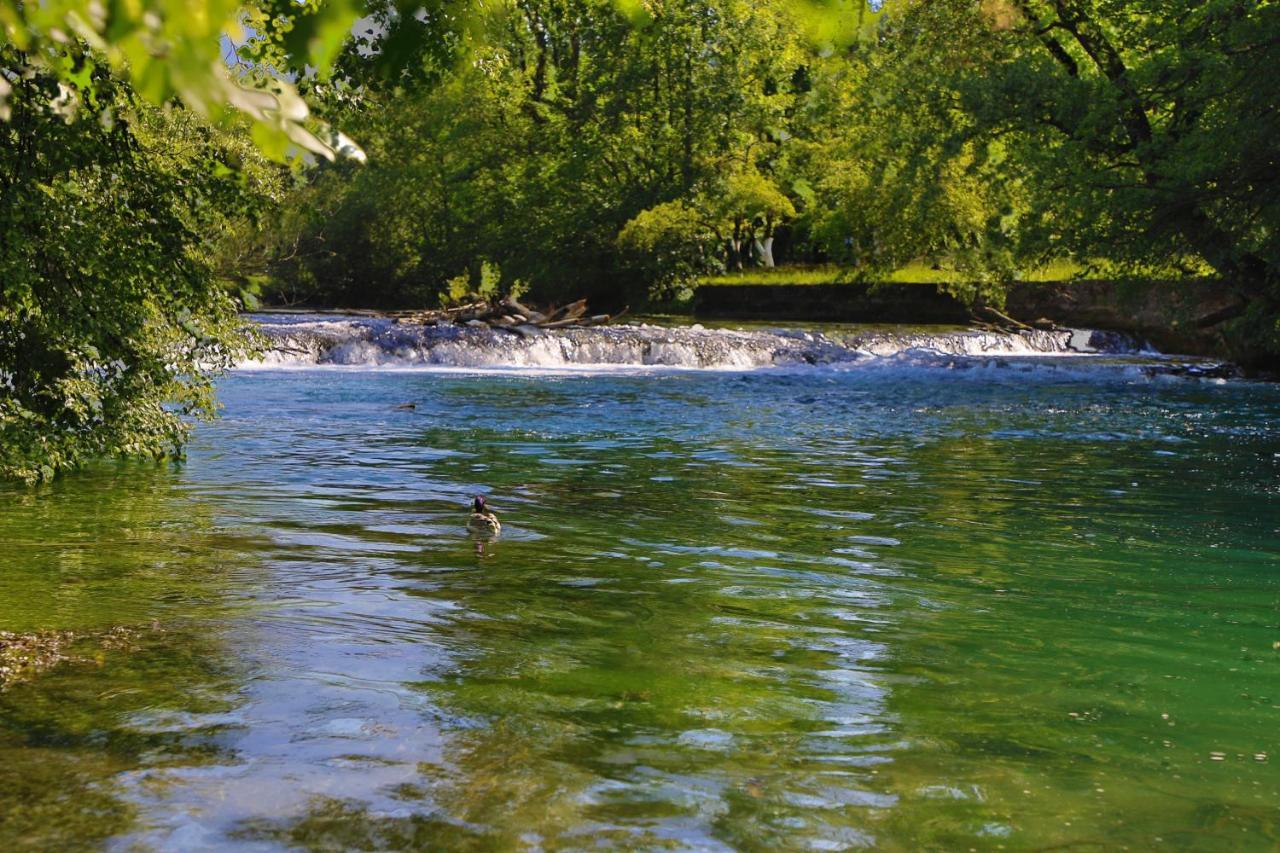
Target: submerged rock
1194	370
25	656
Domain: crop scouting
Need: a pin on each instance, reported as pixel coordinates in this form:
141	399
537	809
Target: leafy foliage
110	316
124	210
569	119
1009	133
673	242
172	49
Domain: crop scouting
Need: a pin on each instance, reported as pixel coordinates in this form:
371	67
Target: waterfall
341	340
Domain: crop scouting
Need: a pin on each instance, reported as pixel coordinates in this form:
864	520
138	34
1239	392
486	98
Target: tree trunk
764	251
737	247
733	257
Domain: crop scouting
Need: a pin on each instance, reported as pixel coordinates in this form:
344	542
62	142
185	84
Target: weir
319	340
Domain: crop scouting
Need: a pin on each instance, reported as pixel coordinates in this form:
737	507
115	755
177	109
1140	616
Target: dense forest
161	169
578	150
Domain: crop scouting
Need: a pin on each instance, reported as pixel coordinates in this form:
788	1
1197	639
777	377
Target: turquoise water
901	607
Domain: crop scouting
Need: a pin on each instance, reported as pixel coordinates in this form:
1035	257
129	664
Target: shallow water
1030	606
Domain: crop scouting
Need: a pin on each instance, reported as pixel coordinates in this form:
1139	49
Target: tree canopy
110	314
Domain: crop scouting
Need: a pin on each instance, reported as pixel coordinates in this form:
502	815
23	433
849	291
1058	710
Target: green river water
907	608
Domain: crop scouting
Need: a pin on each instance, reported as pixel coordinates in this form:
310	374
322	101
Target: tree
127	184
676	241
110	316
569	119
671	244
751	206
1138	136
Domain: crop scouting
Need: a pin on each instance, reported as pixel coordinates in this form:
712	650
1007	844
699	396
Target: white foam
363	343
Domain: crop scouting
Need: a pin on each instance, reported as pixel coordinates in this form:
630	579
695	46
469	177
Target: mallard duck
482	519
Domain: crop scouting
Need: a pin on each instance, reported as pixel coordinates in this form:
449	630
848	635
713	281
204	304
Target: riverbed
900	601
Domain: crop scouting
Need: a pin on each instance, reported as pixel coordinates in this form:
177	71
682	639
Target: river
955	593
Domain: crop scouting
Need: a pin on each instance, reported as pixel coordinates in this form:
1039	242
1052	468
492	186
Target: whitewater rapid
308	341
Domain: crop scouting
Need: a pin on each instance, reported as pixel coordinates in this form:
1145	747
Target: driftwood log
510	314
1002	322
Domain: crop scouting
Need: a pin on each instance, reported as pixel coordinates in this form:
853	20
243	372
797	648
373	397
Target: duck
482	519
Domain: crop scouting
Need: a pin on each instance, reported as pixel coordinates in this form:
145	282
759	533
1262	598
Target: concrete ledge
836	303
1176	316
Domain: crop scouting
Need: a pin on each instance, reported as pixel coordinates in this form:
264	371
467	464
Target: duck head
478	505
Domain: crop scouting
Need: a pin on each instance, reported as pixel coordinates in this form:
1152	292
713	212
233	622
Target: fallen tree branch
1006	320
511	315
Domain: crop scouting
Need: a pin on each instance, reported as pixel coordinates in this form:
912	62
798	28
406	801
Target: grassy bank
916	273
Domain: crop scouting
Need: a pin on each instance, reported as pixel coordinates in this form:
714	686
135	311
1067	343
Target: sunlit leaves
838	23
996	136
567	120
170	49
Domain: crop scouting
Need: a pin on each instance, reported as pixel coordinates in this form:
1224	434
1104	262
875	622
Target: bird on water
482	519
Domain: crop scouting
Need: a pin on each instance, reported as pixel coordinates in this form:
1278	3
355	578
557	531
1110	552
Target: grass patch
915	273
920	272
781	275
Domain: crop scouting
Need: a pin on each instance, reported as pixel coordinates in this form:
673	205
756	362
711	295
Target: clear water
1030	607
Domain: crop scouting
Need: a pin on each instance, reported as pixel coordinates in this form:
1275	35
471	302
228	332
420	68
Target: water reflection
119	558
613	689
758	611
